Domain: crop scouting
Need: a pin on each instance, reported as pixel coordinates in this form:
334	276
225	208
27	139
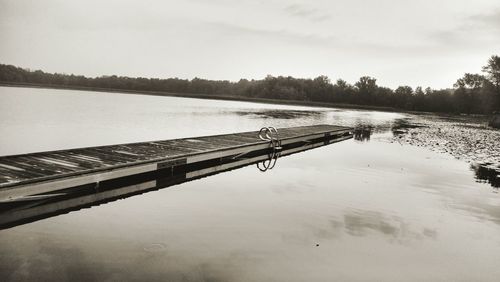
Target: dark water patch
362	133
281	114
363	223
360	223
486	173
403	125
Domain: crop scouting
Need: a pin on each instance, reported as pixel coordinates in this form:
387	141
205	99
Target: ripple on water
155	248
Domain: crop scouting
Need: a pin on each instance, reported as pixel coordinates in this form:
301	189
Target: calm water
367	209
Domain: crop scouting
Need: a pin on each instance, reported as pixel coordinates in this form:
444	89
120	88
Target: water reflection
367	223
362	133
24	210
363	130
361	223
486	174
280	114
362	202
402	125
269	163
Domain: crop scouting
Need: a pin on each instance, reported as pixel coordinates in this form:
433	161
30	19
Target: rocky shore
466	138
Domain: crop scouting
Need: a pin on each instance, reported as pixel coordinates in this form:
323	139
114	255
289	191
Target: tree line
471	94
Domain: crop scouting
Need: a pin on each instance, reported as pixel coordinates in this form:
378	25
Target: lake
366	209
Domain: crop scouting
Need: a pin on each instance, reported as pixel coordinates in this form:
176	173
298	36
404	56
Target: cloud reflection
364	223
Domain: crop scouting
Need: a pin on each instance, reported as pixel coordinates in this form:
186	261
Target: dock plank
43	167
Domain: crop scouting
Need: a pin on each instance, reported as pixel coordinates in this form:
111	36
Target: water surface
366	209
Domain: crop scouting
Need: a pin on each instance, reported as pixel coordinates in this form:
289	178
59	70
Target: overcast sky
426	42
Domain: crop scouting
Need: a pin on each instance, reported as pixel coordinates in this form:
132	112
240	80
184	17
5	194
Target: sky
399	42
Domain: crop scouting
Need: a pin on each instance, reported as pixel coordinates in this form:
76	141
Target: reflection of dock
29	176
29	208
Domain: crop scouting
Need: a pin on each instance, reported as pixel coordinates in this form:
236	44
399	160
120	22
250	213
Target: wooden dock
32	208
32	175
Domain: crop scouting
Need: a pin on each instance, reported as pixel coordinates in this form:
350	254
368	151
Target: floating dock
39	175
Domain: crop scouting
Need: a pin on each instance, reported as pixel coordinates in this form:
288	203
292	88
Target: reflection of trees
402	125
486	174
363	133
281	114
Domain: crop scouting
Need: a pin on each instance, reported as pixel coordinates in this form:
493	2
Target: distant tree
320	88
366	87
342	84
492	92
403	95
467	94
428	91
383	96
419	100
493	70
342	91
439	101
366	83
489	98
470	81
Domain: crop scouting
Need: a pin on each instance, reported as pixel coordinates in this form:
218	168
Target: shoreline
208	96
241	99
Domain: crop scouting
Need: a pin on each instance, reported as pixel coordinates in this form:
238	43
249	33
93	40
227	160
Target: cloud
272	34
488	20
339	45
307	13
479	28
